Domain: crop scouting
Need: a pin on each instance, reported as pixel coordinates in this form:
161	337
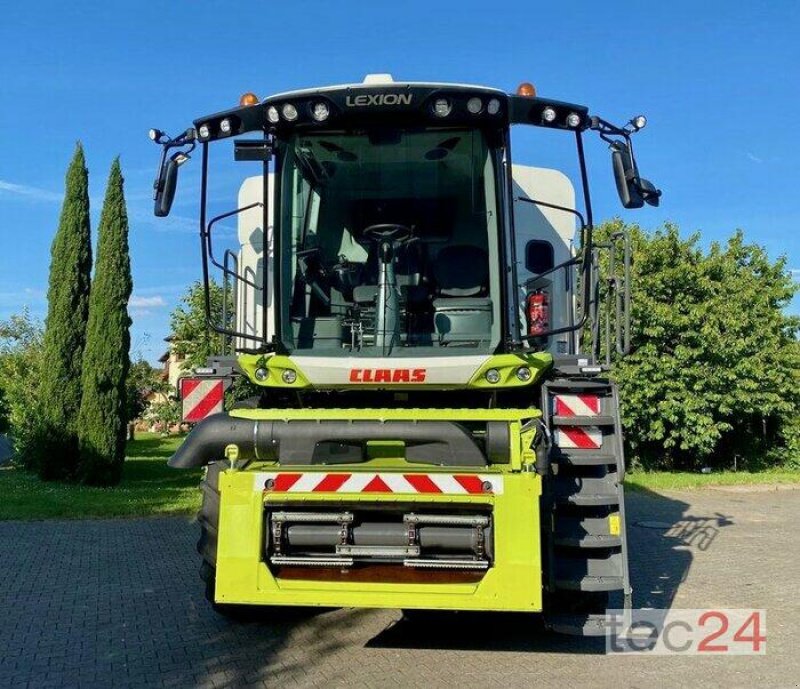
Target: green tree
143	380
56	453
20	381
193	339
165	414
103	411
715	360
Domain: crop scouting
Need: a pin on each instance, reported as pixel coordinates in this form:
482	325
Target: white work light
320	112
289	112
549	114
494	106
524	374
225	126
573	119
272	114
442	107
474	105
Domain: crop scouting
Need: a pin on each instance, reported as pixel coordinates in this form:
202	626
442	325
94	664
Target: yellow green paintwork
505	364
513	583
274	365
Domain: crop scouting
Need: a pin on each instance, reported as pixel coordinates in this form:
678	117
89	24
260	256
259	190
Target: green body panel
513	582
507	366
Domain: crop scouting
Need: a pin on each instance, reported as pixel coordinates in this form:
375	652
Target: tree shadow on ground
663	535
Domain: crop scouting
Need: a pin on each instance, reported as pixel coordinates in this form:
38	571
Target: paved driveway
119	603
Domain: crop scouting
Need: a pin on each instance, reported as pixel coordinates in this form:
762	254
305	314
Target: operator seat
462	307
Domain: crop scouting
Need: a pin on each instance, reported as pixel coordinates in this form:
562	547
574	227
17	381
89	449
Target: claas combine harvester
436	428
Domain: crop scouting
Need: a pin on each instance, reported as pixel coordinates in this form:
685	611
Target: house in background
172	368
173	363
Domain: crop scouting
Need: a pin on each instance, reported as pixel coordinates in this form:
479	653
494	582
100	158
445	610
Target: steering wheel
392	232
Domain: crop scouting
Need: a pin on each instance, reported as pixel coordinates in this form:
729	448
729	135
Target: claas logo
387	375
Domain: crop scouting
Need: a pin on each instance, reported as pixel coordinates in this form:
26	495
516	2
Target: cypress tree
55	452
102	419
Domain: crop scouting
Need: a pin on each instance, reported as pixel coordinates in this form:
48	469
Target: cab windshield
390	243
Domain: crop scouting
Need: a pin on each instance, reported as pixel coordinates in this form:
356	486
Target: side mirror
167	183
633	191
649	193
626	176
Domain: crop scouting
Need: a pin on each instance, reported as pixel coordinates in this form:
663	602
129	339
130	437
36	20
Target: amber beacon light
526	89
248	99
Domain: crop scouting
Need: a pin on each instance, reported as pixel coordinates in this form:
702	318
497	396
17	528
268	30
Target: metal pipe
443	443
265	253
627	298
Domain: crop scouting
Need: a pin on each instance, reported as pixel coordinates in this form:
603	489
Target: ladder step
580	371
581	572
591	584
597	541
577	624
588	490
581	458
588	500
582	420
594	385
595	528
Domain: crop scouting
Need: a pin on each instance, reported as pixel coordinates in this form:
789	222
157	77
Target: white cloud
754	157
32	193
137	302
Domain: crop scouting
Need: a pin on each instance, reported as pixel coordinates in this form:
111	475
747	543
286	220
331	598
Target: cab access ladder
586	555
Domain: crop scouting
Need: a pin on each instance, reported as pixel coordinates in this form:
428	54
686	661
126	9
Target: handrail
209	243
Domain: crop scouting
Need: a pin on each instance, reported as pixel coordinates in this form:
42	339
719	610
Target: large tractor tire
208	518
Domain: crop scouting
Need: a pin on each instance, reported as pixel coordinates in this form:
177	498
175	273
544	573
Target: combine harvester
436	428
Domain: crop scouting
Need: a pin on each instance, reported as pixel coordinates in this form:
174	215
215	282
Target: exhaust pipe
441	443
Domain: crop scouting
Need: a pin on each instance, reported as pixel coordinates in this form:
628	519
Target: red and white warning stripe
201	397
381	482
577	437
576	405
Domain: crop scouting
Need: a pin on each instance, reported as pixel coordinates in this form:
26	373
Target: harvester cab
435	427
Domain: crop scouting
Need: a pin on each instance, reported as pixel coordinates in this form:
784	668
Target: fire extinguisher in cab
538	310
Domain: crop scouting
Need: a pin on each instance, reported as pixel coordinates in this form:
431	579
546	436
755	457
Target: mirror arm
158	183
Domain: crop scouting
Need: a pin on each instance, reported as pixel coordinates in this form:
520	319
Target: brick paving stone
118	603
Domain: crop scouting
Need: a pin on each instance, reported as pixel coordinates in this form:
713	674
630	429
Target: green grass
149	487
681	480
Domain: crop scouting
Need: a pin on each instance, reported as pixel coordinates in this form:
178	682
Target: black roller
438	538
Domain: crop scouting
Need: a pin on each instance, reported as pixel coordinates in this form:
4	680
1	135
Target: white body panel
557	227
333	372
249	310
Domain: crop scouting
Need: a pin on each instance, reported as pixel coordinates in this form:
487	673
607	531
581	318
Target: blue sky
718	81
